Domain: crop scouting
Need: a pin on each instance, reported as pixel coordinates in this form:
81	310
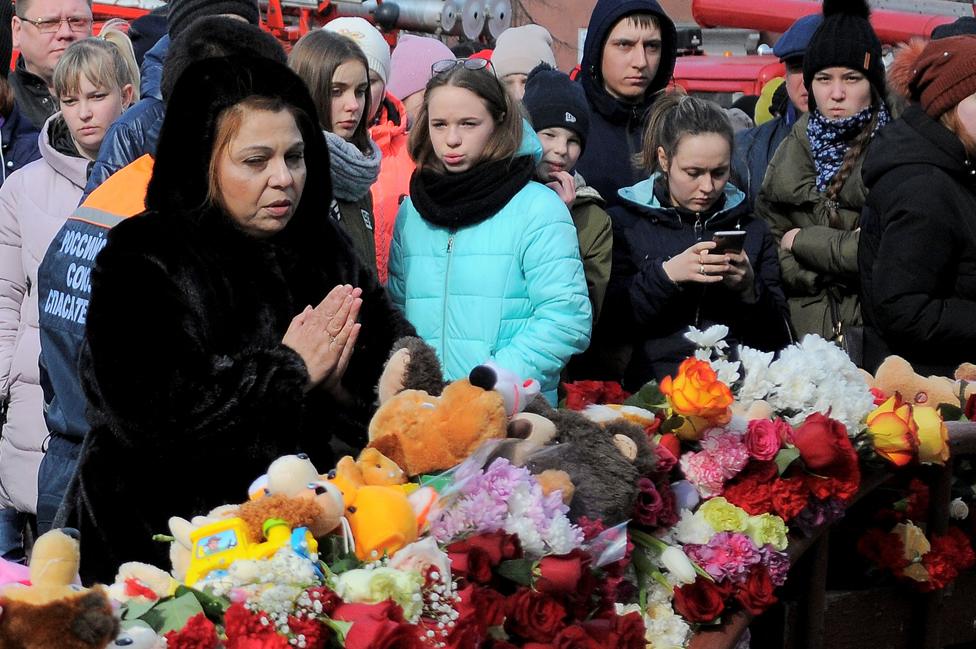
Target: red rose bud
498	546
756	594
534	616
561	575
473	564
701	601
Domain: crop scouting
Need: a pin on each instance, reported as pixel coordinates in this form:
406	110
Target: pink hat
412	58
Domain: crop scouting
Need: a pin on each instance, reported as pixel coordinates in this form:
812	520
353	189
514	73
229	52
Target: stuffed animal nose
72	532
302	456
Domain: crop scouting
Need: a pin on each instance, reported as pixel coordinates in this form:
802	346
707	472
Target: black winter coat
917	251
657	312
191	392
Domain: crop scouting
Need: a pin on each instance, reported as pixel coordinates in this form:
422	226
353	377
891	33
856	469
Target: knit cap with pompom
845	39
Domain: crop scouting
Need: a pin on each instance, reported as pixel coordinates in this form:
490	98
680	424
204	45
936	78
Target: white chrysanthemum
664	629
817	376
563	537
711	338
529	536
755	367
727	371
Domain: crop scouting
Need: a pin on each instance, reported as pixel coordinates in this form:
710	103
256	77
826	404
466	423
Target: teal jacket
509	289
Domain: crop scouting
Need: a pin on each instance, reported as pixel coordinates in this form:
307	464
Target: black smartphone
728	241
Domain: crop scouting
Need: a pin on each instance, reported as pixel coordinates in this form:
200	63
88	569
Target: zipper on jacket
447	276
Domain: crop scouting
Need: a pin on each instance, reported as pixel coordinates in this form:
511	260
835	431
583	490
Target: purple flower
817	514
777	563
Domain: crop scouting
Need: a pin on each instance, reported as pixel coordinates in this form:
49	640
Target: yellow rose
893	431
768	528
696	394
933	437
723	516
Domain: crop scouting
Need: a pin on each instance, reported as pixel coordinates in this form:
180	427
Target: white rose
420	555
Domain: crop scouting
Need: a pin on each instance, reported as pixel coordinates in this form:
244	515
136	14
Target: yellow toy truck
218	545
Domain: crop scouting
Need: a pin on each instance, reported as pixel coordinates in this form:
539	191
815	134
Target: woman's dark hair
854	153
674	116
507	136
315	58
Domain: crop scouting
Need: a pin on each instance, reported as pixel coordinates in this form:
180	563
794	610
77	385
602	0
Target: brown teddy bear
423	428
51	612
601	462
897	375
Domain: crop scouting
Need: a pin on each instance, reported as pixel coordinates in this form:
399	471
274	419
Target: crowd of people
210	246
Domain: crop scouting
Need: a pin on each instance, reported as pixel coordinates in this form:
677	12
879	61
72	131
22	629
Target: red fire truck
289	19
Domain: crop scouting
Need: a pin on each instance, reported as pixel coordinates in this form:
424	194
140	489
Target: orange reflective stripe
124	193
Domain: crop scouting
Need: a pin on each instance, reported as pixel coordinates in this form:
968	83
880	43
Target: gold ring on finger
701	268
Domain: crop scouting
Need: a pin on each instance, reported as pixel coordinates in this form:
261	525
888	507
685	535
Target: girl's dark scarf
831	138
457	200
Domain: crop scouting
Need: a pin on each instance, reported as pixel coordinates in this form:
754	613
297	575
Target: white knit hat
520	49
369	40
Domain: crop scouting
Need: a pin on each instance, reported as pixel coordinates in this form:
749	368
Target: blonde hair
101	60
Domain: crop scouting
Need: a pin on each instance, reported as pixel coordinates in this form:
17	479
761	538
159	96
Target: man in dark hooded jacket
628	56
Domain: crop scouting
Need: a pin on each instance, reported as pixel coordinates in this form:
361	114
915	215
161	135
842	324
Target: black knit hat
6	37
845	39
184	12
553	99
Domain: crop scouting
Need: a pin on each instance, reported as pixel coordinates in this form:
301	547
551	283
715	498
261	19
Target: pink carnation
704	472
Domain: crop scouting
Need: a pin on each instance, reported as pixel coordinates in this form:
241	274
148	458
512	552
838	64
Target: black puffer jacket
917	251
656	311
184	368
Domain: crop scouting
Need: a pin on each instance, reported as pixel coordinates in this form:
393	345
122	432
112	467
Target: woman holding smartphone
675	262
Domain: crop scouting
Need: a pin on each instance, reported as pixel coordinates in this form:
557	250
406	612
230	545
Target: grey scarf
353	172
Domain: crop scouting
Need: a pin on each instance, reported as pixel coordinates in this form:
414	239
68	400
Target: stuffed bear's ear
412	365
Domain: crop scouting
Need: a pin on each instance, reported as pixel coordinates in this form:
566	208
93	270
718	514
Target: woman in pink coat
34	202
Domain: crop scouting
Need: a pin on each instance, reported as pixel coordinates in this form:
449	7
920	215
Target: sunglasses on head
469	64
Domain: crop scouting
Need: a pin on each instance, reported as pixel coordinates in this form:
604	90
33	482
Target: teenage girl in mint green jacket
485	262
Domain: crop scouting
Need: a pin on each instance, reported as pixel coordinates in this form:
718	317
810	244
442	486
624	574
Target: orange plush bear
424	426
421	433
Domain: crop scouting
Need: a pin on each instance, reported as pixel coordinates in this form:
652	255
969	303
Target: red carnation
789	497
198	633
700	601
752	489
534	616
316	634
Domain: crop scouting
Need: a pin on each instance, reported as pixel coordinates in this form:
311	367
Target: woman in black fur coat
202	362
